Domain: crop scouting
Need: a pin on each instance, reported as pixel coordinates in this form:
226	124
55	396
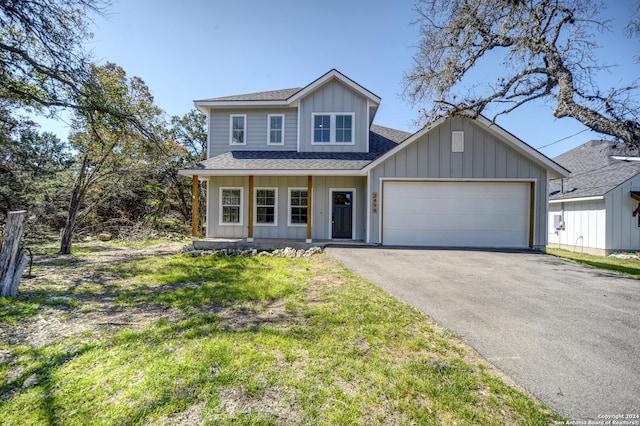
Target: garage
456	214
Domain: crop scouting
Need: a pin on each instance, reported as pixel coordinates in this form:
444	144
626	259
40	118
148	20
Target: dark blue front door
342	214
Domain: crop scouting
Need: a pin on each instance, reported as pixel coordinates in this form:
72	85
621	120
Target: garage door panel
464	214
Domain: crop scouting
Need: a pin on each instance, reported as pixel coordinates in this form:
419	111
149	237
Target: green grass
255	341
627	267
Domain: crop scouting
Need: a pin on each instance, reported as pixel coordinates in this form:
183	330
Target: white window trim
289	207
269	129
332	129
244	130
255	206
220	216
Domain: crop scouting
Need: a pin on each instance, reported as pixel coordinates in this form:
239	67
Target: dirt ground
61	274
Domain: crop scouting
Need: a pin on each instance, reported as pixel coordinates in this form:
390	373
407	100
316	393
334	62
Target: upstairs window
266	206
344	128
238	131
333	128
322	128
275	131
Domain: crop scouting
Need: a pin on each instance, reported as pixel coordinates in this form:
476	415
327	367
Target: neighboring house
308	164
595	210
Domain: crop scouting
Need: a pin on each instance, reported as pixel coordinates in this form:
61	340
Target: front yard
121	335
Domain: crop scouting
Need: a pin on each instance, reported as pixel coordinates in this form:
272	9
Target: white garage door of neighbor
456	214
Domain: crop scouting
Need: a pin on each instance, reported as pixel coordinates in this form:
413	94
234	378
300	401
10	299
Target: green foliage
35	174
627	267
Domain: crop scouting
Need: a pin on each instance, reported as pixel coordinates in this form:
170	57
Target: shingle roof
389	133
271	95
293	160
594	171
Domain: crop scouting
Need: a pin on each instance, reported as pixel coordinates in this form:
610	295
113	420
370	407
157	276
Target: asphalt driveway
568	334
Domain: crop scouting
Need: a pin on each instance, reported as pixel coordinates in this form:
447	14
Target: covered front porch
270	211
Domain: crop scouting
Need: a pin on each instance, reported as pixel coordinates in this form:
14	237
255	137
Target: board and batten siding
321	205
598	227
322	186
485	156
622	231
334	97
585	223
256	123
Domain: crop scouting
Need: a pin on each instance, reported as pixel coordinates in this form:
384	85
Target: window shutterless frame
336	128
237	129
275	129
230	202
265	207
297	207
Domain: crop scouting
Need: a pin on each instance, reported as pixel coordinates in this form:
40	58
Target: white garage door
456	214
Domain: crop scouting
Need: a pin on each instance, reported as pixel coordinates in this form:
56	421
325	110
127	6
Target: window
344	128
333	128
298	204
238	130
230	206
322	128
275	132
266	211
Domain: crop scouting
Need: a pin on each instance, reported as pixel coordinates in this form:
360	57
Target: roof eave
270	172
234	104
334	74
576	199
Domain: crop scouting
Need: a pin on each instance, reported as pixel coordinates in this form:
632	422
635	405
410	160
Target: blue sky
195	49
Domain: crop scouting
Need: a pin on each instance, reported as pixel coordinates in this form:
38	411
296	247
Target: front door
341	214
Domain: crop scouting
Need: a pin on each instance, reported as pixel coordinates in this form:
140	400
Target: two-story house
309	164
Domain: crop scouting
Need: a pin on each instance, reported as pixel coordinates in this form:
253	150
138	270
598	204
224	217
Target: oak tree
108	147
546	49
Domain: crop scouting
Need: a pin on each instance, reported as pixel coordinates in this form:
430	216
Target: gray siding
214	229
334	97
256	138
321	205
484	157
322	186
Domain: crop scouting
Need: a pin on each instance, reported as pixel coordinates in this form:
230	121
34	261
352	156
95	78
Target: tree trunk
77	196
13	258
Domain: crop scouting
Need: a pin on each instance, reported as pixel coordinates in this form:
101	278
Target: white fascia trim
575	200
488	180
495	129
258	172
411	139
523	147
334	74
237	104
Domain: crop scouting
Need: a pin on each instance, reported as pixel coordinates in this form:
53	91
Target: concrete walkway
568	334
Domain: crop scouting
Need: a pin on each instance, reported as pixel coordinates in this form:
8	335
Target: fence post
13	258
